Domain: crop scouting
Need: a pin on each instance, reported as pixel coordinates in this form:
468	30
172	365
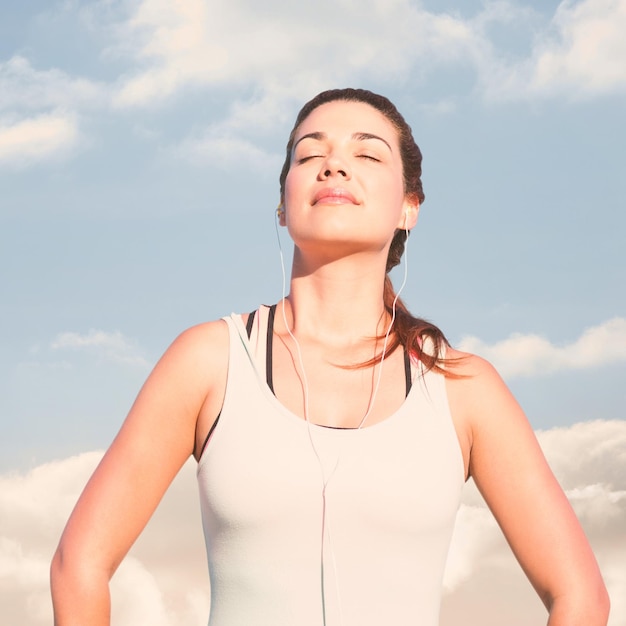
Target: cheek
391	189
292	187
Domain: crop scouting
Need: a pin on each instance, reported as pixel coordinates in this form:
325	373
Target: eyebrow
318	136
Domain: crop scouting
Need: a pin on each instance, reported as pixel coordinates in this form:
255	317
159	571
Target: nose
334	165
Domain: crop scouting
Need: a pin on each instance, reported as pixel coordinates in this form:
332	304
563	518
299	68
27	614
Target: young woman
333	431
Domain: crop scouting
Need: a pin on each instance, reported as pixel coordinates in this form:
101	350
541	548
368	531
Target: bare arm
538	522
154	442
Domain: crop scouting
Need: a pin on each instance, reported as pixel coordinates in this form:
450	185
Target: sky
140	147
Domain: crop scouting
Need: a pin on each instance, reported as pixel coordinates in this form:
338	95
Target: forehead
341	117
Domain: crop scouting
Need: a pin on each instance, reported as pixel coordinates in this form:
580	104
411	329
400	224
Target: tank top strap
261	323
260	331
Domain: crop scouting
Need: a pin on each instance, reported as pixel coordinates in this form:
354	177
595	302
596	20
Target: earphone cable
305	392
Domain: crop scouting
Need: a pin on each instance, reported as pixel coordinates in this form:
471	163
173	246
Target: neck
340	300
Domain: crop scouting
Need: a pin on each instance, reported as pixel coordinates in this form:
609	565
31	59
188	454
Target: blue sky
140	147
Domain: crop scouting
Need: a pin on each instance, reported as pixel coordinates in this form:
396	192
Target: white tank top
391	502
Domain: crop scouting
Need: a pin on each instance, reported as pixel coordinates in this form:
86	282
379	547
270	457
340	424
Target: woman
334	430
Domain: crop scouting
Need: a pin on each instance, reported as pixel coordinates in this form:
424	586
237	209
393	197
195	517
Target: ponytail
421	339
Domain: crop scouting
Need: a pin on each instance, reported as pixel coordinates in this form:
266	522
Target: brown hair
413	333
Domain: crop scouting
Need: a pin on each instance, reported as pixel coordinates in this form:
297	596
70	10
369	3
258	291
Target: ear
280	212
409	215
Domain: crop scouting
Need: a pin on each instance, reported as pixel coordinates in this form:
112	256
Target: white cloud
228	143
33	510
39	119
599	449
485	584
533	355
24	87
291	51
226	149
37	138
589	55
582	54
137	597
112	345
287	49
164	579
140	597
283	53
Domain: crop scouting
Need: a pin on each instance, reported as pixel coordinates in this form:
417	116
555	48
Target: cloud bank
579	51
533	355
200	43
164	580
264	58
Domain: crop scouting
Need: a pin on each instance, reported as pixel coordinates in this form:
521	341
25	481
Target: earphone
407	212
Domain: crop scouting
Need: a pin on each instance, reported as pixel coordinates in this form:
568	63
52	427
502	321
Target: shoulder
499	438
483	409
199	354
477	388
472	378
468	365
211	335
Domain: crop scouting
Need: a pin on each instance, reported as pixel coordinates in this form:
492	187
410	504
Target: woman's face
345	182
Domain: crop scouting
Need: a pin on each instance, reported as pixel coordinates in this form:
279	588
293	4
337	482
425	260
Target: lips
334	195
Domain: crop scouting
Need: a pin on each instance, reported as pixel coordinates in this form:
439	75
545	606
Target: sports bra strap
269	377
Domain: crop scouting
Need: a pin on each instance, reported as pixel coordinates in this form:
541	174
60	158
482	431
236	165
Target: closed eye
304	159
369	157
